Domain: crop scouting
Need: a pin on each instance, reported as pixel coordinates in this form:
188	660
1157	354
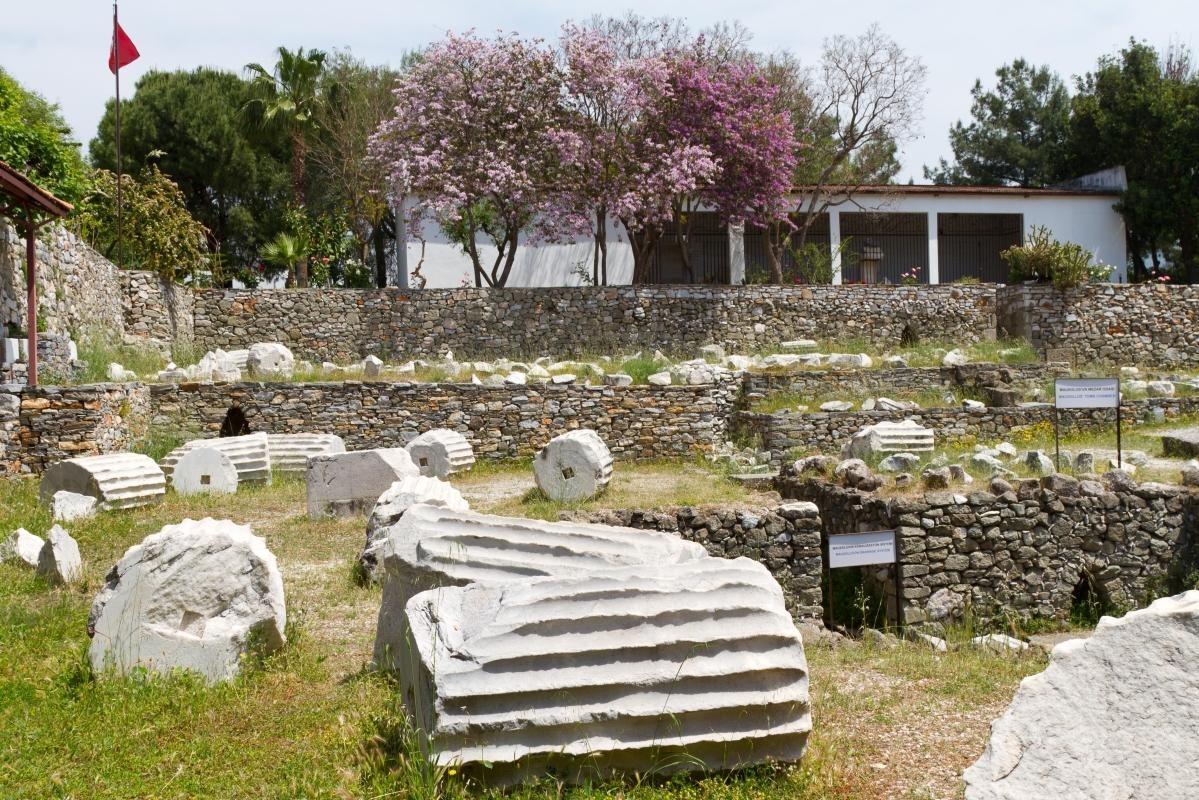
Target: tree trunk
643	243
601	246
299	153
682	235
772	248
509	253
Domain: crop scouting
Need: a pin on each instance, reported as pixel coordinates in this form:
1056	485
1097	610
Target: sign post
1086	393
863	550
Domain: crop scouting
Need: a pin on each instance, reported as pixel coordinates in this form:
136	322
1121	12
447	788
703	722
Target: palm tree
288	97
285	251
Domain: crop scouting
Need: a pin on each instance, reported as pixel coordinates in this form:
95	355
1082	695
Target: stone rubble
441	452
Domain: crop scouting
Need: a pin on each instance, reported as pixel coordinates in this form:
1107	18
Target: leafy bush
158	233
1043	258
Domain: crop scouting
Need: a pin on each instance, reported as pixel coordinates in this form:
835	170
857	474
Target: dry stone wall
827	431
342	325
78	289
156	312
41	426
1150	324
785	539
854	382
1023	552
499	422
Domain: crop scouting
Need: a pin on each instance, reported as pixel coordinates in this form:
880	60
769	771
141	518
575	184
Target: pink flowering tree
623	163
729	109
476	140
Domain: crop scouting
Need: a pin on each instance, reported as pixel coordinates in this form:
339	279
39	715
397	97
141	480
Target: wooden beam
31	295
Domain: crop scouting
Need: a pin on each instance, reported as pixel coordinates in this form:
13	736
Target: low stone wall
78	289
41	426
1023	552
156	312
827	431
499	422
1151	324
345	325
785	539
883	381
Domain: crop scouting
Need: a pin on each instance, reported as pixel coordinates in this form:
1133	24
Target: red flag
123	46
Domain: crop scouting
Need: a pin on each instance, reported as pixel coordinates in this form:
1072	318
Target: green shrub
1043	258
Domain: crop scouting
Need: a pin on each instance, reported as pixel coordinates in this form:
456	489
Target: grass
97	352
311	722
650	485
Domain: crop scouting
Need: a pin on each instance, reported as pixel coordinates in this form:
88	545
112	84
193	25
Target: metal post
1119	456
116	51
1057	436
31	296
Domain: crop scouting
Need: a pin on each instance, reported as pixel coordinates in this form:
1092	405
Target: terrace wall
500	422
1150	324
342	326
827	431
1023	552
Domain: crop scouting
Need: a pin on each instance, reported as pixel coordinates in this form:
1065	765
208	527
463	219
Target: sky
59	48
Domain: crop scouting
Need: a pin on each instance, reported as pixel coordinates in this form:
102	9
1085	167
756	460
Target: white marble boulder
67	506
1113	716
22	547
573	467
434	546
59	561
395	502
441	452
204	470
270	359
250	454
348	484
118	480
290	451
663	667
194	596
872	441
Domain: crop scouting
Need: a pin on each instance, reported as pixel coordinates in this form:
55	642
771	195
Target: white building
945	233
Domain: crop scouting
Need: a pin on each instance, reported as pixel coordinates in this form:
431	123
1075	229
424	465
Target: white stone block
12	352
290	451
798	345
250	455
1112	716
22	547
618	379
118	480
347	484
193	596
441	452
372	366
59	561
851	360
573	467
434	546
659	379
889	437
395	502
270	359
955	358
119	374
629	670
516	378
67	506
204	470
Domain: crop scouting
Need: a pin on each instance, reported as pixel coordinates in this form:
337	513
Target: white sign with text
861	549
1087	393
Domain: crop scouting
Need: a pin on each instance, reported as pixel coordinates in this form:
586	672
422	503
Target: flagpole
116	51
